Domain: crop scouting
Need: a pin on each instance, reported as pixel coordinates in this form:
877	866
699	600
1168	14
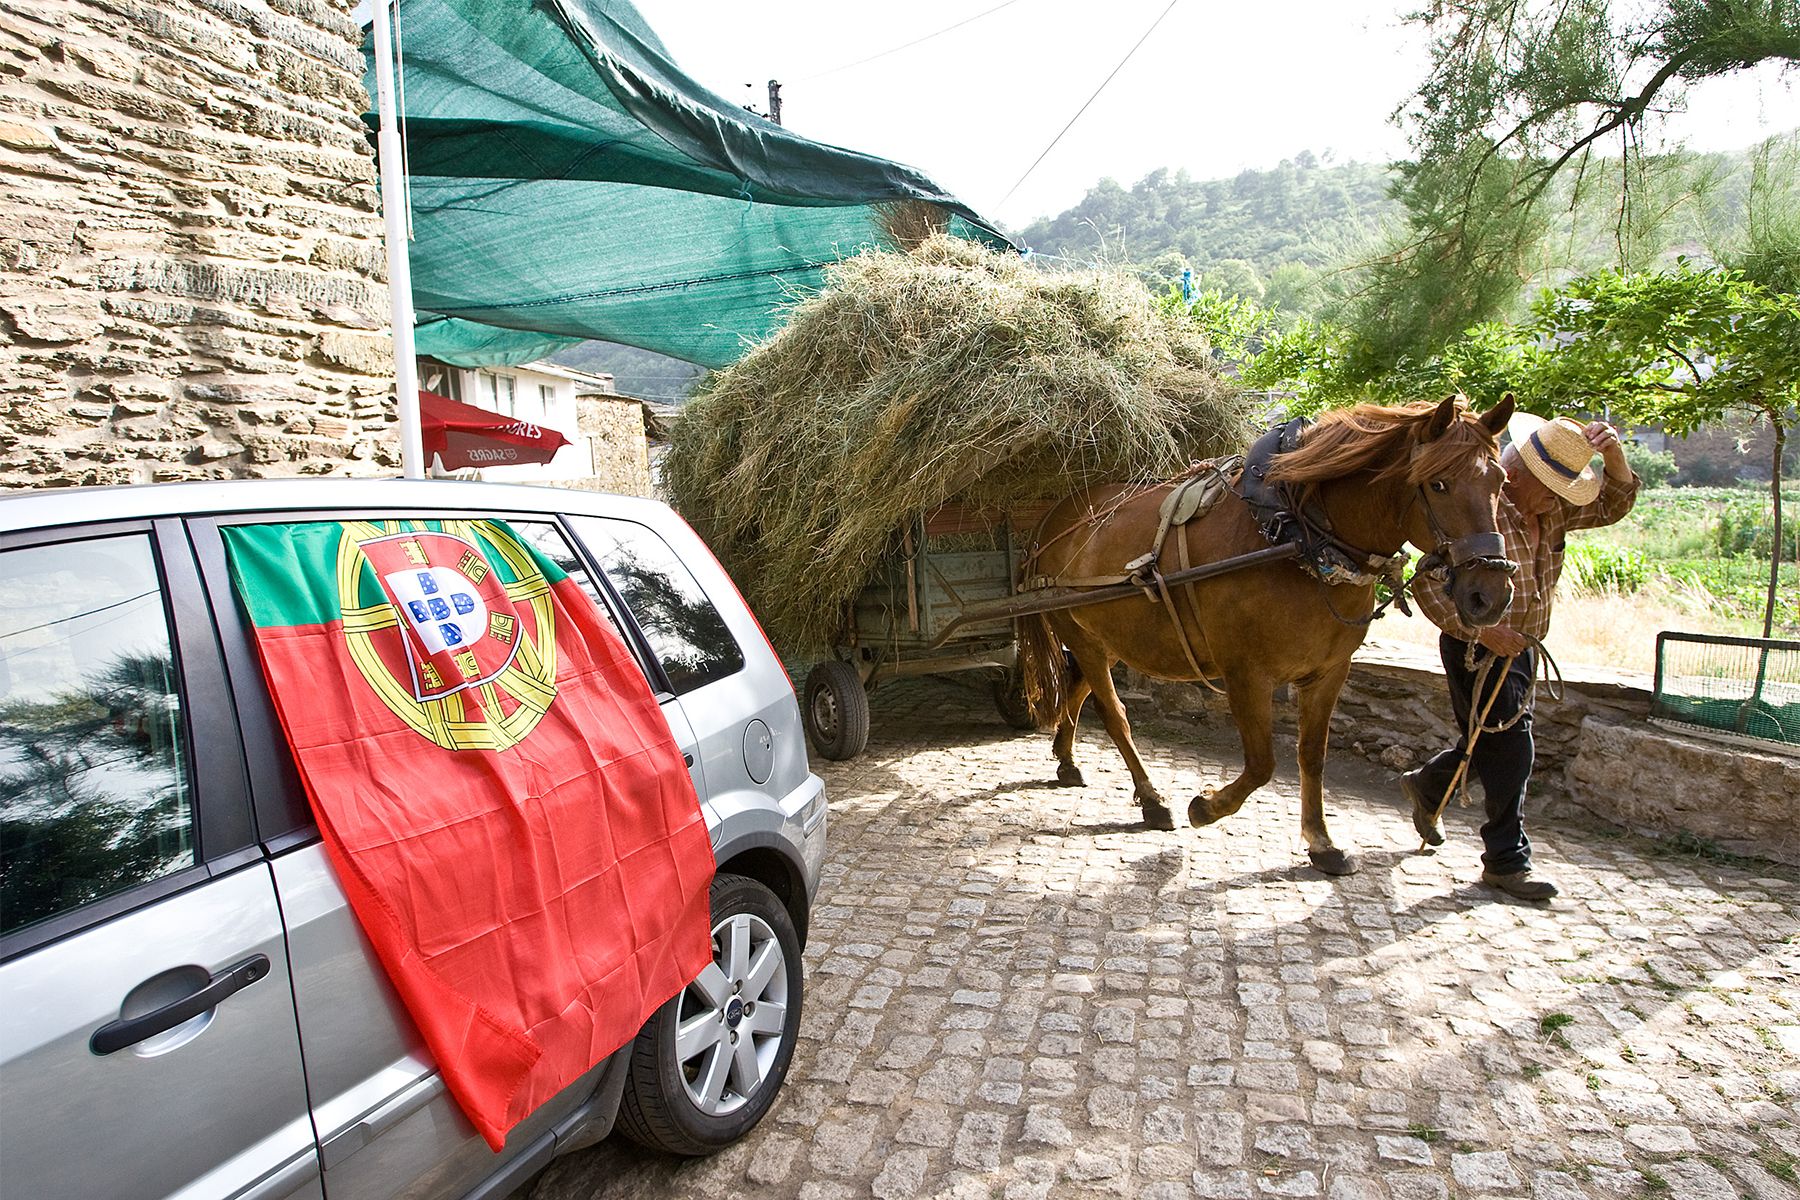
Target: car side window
548	540
94	790
684	629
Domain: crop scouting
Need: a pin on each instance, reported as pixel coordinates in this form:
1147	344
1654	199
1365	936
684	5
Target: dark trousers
1502	761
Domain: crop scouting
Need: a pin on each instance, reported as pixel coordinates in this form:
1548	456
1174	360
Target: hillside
1269	235
1236	233
641	373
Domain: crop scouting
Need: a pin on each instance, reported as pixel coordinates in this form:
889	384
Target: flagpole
393	215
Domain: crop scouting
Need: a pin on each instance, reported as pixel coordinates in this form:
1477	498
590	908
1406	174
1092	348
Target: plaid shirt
1539	565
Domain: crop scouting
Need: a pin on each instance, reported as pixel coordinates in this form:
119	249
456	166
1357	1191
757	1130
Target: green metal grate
1743	690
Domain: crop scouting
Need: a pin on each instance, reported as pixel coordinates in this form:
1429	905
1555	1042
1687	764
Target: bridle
1481	549
1329	558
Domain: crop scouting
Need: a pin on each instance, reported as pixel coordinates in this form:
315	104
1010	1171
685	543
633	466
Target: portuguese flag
495	785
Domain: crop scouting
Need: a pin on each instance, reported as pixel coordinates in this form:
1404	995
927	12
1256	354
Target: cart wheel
837	710
1009	698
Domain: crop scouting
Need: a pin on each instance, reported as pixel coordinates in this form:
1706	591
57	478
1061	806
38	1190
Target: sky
1216	88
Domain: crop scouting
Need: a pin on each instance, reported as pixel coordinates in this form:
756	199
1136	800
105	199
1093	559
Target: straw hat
1559	454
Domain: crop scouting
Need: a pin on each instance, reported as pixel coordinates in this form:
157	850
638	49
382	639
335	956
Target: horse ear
1441	419
1495	419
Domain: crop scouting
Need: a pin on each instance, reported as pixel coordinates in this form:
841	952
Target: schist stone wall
1596	749
192	281
614	426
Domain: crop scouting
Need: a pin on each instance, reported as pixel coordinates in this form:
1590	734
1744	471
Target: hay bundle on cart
948	376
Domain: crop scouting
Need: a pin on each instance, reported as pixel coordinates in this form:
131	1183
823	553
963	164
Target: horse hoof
1200	812
1334	861
1069	775
1158	816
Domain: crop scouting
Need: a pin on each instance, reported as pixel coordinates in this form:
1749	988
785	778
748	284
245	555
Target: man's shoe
1412	786
1520	884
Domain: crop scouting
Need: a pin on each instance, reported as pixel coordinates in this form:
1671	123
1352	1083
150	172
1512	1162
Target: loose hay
948	373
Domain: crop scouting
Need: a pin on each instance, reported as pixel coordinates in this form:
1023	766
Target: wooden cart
941	566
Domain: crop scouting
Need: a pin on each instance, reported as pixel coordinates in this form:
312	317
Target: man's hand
1605	439
1502	641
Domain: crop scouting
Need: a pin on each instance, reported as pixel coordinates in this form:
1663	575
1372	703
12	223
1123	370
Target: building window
497	393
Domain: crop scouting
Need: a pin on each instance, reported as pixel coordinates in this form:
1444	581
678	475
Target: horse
1363	482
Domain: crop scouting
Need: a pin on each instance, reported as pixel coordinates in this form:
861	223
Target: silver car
187	1006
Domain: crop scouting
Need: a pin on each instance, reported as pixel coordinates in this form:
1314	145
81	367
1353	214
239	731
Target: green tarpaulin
567	181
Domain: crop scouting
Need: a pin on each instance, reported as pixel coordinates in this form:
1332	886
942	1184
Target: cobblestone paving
1016	993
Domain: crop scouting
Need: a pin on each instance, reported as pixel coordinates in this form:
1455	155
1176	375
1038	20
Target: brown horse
1376	478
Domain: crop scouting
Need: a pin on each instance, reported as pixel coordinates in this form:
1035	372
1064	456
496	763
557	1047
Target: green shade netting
568	181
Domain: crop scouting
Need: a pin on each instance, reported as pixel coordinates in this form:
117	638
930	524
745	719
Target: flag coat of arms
495	785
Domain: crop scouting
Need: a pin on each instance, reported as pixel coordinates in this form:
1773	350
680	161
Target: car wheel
836	710
707	1065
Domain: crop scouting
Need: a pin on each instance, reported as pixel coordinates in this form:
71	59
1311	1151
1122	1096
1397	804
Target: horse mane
1382	440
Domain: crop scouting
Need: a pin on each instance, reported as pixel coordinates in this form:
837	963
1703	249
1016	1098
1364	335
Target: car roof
48	508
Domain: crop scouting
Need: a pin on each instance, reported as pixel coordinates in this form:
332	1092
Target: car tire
1009	699
836	710
696	1094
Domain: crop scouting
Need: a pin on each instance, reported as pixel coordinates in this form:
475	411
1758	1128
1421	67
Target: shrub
1591	567
1748	527
1654	467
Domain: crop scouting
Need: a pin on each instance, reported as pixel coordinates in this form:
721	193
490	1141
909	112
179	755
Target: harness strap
1193	599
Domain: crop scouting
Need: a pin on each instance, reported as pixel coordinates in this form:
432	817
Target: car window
548	540
684	629
94	792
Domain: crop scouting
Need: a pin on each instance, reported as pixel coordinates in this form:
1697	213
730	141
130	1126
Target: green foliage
1301	213
1591	567
1655	467
1768	249
1746	527
1235	326
1517	101
1640	345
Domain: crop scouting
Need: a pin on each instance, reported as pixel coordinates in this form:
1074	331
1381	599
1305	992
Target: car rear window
684	629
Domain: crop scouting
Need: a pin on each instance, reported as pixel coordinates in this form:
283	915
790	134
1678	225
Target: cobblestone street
1017	992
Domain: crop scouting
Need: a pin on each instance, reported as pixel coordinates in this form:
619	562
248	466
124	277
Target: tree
1681	348
1520	94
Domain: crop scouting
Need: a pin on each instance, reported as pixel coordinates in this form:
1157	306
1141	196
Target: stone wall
614	426
191	265
1596	749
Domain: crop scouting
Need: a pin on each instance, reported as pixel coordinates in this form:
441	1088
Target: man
1551	487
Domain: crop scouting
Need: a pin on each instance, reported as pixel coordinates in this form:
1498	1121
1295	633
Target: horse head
1455	467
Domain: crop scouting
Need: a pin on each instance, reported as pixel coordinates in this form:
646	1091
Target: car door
386	1124
149	1046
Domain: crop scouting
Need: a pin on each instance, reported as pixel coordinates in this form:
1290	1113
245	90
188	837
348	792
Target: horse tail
1045	676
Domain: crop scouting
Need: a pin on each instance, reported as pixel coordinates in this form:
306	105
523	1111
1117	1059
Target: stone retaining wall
1596	749
192	280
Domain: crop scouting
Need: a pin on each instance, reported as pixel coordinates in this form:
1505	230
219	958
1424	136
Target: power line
1065	129
909	45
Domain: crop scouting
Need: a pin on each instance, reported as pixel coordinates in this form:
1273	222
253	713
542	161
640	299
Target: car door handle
117	1035
687	758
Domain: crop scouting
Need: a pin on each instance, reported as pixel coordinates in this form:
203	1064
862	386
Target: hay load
950	373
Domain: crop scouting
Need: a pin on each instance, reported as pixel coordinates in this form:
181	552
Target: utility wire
909	45
1090	100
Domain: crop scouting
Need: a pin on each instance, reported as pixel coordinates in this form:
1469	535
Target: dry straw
950	373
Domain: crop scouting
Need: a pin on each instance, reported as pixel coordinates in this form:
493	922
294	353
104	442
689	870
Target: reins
1477	722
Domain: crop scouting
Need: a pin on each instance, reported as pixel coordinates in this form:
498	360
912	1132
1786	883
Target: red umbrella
462	435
